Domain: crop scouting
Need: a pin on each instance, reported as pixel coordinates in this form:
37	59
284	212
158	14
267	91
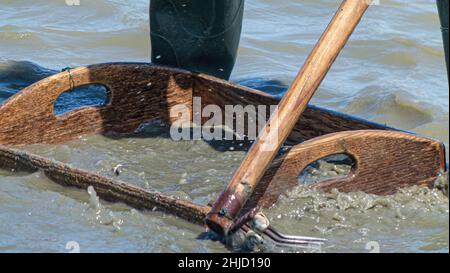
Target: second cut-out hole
330	167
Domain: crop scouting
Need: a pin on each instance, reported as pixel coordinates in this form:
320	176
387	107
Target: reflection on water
392	71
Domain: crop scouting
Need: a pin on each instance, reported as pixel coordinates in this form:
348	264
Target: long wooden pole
230	203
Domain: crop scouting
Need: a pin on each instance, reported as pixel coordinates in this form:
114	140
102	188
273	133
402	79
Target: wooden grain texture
139	93
315	121
384	162
283	120
107	188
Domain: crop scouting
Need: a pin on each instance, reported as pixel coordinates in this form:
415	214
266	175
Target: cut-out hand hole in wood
383	162
336	166
92	95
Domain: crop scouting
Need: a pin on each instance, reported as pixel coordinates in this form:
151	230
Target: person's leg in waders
443	14
197	35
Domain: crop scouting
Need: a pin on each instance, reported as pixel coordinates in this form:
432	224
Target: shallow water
392	71
197	171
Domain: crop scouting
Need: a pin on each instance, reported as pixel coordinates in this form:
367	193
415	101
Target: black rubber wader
197	35
443	14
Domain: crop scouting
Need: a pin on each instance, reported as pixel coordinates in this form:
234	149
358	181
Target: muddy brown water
392	71
197	171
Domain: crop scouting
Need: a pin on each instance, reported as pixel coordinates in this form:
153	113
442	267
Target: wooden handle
280	125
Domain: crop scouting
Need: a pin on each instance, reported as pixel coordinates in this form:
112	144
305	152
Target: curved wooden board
139	93
385	161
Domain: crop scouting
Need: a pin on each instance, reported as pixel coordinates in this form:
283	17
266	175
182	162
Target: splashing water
414	219
386	73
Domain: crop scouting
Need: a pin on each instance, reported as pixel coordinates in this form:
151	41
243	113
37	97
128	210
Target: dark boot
443	14
197	35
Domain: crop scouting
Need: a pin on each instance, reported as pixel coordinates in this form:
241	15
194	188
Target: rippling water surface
392	71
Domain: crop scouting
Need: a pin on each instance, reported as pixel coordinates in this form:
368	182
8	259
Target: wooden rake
385	159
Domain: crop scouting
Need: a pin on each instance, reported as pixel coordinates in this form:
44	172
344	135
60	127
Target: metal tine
303	242
295	245
276	236
296	238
